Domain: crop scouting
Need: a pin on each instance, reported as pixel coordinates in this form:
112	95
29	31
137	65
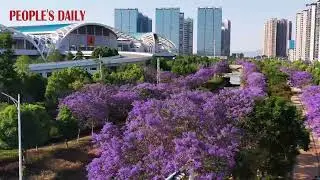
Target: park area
215	119
193	118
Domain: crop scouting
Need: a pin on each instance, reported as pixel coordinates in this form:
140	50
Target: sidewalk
307	164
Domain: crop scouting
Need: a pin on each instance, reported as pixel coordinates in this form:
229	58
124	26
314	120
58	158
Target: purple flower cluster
300	78
248	68
238	103
91	103
297	78
311	100
161	136
254	81
222	67
98	102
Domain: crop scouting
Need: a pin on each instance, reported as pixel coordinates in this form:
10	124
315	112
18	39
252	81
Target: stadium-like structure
41	40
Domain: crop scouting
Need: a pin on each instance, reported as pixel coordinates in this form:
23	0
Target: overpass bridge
90	65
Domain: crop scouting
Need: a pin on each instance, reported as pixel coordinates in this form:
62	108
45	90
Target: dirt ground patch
54	162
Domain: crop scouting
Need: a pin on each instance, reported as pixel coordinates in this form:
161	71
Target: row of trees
258	132
184	65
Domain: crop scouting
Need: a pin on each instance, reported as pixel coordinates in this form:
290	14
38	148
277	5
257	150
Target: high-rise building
276	36
270	38
303	35
188	36
308	33
225	38
169	24
209	31
132	21
181	28
284	32
299	30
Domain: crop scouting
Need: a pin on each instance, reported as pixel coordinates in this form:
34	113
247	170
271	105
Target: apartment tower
132	21
225	37
277	33
209	31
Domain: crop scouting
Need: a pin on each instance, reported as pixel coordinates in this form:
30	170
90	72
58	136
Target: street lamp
17	104
100	67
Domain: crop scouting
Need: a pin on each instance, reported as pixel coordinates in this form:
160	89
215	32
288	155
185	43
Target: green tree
182	69
131	74
35	126
115	52
69	56
21	66
55	56
9	81
273	135
68	125
277	80
6	41
79	55
104	52
33	87
63	82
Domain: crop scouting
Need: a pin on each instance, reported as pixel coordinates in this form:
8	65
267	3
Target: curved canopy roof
39	28
153	39
49	37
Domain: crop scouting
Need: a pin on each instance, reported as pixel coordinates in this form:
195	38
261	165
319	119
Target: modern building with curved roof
43	39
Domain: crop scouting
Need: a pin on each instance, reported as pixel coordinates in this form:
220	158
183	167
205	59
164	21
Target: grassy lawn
50	162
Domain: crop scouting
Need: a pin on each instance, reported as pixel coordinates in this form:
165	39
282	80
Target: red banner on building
90	40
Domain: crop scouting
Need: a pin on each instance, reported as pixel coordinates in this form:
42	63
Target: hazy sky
247	16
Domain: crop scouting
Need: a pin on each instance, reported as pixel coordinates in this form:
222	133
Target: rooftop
39	28
138	35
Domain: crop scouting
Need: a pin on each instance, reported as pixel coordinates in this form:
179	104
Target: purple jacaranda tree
90	105
121	104
256	80
174	126
297	78
248	68
311	100
300	78
161	136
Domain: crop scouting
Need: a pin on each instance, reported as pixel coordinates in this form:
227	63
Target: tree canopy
55	56
63	82
35	126
21	65
104	52
274	133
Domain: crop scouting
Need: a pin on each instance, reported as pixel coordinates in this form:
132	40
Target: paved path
307	164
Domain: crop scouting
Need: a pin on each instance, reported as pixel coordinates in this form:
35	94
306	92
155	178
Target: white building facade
270	36
308	33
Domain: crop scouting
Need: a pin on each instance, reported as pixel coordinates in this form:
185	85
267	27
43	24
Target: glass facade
168	24
131	21
209	31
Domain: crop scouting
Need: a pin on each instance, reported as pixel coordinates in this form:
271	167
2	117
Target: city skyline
247	34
